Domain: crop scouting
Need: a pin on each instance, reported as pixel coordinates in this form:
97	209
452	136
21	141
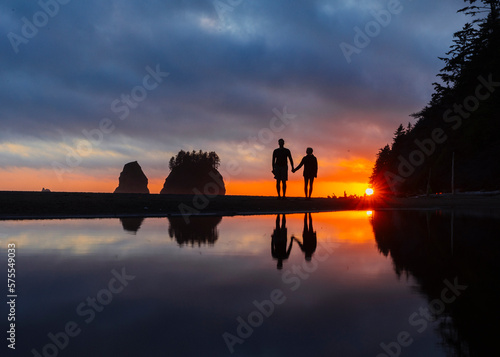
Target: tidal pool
384	283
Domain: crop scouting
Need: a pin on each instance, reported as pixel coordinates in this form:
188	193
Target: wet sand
30	205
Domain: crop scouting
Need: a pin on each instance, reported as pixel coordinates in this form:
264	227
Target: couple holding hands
281	156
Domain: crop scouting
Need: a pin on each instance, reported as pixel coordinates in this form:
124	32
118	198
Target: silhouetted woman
310	164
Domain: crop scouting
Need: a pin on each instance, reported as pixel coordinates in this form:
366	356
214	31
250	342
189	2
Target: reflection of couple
279	250
281	156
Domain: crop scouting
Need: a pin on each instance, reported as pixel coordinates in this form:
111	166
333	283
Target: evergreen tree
473	60
200	159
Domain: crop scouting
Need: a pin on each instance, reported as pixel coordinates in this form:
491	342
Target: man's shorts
281	173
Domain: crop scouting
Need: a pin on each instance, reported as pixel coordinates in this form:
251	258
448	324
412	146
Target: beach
33	205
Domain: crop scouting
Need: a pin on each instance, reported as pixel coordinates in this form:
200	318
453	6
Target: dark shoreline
53	205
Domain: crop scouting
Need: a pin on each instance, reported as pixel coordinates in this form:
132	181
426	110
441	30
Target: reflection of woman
309	239
278	242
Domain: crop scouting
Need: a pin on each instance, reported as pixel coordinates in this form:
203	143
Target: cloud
227	73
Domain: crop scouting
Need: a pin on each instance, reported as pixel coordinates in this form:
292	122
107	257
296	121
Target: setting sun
369	191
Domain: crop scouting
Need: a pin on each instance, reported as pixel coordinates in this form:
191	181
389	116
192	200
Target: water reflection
344	301
131	224
279	239
196	231
309	239
438	248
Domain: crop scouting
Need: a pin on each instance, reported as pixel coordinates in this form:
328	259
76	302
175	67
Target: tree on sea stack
194	173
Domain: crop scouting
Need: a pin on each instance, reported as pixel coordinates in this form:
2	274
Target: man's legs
311	181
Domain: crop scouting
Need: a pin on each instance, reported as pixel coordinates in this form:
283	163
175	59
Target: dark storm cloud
228	71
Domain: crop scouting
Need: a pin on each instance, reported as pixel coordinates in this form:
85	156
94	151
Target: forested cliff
459	129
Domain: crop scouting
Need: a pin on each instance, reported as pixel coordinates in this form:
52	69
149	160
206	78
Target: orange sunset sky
350	176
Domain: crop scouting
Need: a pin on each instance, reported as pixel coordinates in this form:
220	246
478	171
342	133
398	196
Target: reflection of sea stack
131	224
200	230
132	179
194	173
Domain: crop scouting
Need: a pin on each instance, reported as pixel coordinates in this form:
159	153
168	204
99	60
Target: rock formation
194	173
132	179
190	181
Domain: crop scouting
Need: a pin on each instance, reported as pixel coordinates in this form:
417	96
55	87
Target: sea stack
132	179
194	173
190	182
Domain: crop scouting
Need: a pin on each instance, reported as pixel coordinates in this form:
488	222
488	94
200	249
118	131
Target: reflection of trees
199	230
131	224
428	246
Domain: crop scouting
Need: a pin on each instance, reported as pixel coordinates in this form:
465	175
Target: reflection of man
278	242
281	156
309	240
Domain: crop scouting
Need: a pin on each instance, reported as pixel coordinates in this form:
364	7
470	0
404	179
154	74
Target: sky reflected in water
321	284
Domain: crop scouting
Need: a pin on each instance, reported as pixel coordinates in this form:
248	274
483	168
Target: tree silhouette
466	116
200	158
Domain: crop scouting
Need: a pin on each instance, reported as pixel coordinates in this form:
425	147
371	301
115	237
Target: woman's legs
310	181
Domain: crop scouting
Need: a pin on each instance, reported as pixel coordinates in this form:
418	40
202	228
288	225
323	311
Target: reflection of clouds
239	235
172	279
72	236
34	241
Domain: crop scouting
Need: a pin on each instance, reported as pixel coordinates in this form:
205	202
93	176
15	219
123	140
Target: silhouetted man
310	164
281	156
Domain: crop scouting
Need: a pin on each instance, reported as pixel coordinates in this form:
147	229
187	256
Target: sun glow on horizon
335	179
22	179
